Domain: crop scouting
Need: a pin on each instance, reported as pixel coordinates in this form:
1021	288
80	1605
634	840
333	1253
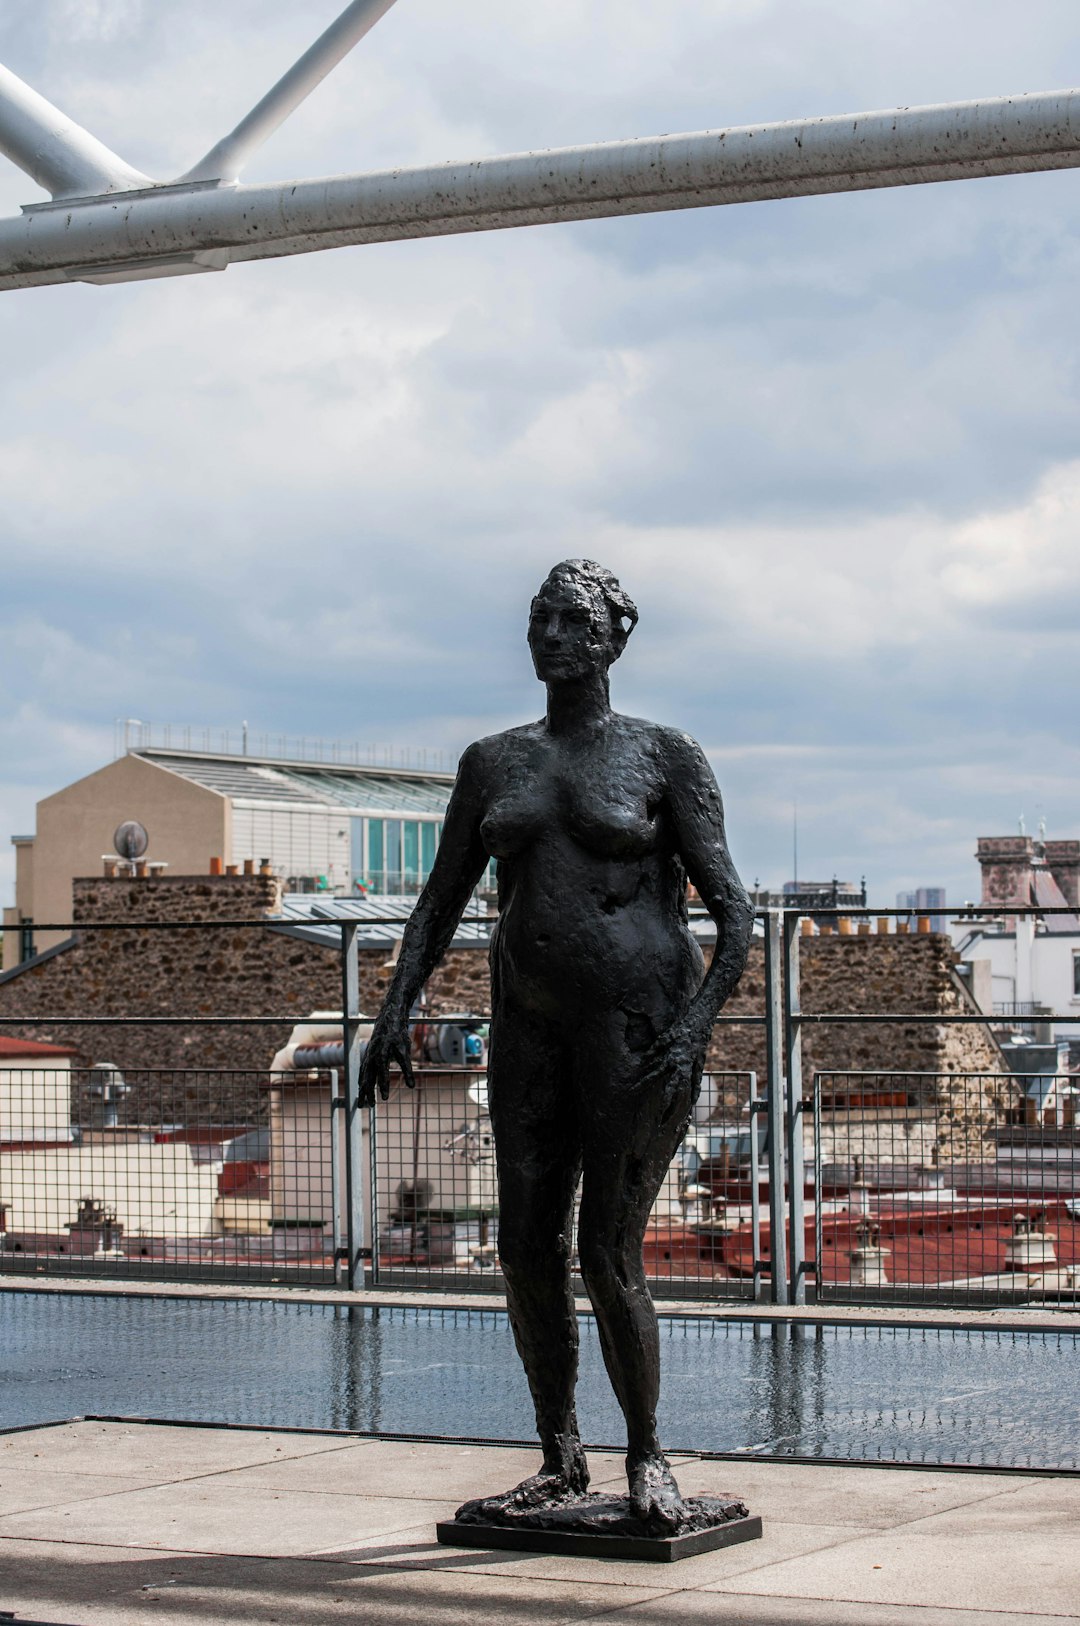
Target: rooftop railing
131	734
786	1265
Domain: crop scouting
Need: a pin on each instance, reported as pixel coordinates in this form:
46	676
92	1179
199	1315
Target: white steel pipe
225	160
59	154
165	228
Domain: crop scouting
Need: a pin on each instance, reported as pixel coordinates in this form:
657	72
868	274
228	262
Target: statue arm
459	863
697	814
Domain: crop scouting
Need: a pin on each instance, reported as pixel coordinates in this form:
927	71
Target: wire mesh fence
957	1186
167	1173
932	1186
435	1190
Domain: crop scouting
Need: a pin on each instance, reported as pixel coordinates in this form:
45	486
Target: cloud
830	445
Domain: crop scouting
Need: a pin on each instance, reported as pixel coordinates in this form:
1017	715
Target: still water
883	1393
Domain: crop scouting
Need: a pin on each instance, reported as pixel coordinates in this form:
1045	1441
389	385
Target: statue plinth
600	1526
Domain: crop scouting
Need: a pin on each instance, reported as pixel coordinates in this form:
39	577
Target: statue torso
591	888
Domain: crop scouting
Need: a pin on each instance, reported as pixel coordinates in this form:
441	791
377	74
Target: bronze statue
601	1009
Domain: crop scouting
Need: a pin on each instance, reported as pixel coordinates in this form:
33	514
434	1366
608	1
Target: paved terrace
106	1524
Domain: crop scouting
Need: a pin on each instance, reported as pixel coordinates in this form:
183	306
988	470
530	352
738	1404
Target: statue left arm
697	814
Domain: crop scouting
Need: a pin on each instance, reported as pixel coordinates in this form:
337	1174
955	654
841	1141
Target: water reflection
787	1385
885	1393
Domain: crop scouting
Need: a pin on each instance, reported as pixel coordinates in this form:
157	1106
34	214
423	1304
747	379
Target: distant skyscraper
924	900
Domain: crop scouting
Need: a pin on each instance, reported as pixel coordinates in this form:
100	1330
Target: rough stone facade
226	969
883	974
144	970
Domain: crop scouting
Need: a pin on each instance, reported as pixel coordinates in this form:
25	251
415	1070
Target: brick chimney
175	897
1006	864
1063	861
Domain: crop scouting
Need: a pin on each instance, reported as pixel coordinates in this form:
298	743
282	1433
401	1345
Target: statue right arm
459	863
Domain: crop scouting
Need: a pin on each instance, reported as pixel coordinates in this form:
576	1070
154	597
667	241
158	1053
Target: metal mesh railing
167	1173
435	1202
946	1186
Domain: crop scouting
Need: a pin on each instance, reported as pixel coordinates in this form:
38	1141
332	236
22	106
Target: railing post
757	1108
338	1196
819	1225
373	1192
774	1073
353	1048
793	1075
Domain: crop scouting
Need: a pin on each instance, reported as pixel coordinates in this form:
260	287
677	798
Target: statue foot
654	1495
545	1489
548	1488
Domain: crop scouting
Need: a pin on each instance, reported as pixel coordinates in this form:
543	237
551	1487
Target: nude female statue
600	1010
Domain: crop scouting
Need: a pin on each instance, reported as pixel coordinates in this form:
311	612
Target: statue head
579	621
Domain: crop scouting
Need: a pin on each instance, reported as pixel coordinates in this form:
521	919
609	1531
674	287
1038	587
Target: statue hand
389	1042
677	1058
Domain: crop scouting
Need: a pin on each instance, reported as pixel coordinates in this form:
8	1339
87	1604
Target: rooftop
246	744
254	782
29	1048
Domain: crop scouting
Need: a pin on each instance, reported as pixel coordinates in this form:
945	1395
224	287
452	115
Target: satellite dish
130	840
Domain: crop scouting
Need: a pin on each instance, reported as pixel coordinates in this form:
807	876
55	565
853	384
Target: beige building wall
417	1131
35	1103
9	957
153	1190
187	825
24	899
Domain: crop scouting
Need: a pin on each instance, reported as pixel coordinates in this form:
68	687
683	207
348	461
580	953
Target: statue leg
539	1162
630	1135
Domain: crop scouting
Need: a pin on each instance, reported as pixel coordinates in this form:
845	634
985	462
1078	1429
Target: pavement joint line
986	1496
621	1608
884	1603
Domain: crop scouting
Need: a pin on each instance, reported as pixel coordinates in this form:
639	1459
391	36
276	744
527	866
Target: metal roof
316	918
1045	891
309	787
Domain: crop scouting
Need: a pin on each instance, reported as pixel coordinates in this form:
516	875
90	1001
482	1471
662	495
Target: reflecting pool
882	1393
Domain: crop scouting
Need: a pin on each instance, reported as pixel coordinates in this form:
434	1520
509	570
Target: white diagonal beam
152	233
59	154
225	160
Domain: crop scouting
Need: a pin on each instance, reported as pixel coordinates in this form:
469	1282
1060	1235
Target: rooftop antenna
795	843
1023	826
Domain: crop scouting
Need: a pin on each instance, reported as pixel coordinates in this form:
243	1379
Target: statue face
569	631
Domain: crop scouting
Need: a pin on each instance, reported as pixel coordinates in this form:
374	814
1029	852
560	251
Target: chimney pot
215	866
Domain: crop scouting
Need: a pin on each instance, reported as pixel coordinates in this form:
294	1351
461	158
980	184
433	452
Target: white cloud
830	445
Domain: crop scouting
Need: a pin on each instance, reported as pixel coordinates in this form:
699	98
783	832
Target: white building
1031	963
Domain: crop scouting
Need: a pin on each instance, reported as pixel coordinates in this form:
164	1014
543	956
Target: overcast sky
831	446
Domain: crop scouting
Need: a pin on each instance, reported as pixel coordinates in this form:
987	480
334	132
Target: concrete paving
109	1524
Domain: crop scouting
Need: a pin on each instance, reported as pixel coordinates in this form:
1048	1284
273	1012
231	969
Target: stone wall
883	974
234	970
142	970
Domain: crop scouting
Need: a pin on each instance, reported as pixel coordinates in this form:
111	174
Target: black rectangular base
583	1544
